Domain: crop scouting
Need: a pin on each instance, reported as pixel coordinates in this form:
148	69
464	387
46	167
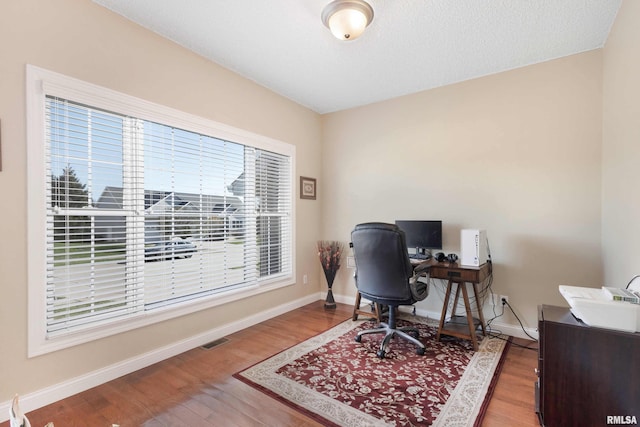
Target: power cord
481	296
485	290
495	315
496	333
632	279
505	302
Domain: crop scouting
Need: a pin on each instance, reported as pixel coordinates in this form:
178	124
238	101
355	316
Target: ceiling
411	45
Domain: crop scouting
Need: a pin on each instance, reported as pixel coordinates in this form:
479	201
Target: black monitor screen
422	234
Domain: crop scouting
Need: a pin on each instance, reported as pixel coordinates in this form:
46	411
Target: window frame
41	83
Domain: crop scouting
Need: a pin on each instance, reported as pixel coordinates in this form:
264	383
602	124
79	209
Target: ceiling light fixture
347	19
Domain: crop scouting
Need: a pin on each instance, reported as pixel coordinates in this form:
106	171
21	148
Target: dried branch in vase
330	253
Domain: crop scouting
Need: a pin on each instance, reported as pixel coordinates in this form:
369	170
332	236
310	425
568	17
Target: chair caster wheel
420	351
358	338
380	354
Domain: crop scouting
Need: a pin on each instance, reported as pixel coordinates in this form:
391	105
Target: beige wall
621	148
517	153
83	40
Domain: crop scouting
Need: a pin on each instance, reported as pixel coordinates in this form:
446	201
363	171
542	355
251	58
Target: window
143	213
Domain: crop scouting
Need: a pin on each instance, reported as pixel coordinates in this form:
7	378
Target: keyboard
419	256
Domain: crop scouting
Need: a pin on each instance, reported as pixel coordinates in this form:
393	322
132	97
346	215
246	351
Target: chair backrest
383	268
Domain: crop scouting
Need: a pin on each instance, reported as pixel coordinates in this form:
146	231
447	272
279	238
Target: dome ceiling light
347	19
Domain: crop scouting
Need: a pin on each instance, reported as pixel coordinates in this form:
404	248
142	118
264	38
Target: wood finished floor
196	388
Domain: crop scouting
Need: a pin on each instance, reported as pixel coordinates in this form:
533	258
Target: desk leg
467	307
480	315
356	307
376	314
455	300
443	316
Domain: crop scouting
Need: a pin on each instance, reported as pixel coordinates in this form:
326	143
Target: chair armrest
420	289
422	268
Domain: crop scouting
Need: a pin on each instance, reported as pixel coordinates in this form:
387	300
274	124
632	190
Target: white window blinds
142	215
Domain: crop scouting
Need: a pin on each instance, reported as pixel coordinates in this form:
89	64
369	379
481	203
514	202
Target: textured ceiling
411	45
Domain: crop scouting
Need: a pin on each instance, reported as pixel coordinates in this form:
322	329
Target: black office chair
384	275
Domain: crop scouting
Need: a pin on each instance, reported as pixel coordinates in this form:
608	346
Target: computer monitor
422	235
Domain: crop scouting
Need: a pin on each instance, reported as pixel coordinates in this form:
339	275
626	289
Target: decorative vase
329	253
330	302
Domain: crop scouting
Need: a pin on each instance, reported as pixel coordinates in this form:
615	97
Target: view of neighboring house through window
141	215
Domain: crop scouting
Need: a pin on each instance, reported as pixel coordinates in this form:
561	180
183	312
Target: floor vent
215	343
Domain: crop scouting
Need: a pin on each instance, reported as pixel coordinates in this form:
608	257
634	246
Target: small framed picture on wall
307	188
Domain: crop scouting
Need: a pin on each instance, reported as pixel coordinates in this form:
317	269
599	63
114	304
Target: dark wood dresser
586	375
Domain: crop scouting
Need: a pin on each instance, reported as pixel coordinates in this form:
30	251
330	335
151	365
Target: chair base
390	330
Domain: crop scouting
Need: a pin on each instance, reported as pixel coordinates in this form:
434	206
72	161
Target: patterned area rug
338	381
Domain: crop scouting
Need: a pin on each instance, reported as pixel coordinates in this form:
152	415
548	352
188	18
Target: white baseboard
51	394
503	328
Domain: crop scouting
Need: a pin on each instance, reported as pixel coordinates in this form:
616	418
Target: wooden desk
461	326
376	312
585	374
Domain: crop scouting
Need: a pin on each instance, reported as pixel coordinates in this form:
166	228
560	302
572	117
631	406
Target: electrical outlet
351	262
503	299
305	280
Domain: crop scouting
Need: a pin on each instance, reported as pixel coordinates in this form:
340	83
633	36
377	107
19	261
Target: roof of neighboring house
162	201
237	186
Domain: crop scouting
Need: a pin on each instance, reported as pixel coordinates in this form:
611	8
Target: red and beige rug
338	381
